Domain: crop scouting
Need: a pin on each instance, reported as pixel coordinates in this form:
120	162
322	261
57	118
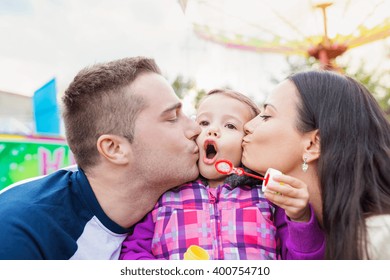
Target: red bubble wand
226	167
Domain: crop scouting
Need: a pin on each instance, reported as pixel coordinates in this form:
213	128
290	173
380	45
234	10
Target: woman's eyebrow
270	105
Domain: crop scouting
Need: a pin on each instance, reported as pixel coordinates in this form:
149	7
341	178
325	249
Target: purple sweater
296	240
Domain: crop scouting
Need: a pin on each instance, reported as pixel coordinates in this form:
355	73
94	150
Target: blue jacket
56	217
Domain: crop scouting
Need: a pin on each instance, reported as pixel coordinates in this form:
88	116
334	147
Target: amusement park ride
262	26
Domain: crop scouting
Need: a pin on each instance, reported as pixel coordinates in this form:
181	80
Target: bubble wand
226	167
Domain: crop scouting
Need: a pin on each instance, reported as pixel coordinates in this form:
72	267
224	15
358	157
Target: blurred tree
200	94
377	82
184	86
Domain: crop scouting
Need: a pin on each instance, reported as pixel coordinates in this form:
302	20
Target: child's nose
213	132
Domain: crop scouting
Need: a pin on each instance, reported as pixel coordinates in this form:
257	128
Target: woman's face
272	138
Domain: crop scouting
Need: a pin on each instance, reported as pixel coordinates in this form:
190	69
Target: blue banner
46	110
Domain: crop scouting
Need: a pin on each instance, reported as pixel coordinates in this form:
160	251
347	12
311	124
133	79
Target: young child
227	216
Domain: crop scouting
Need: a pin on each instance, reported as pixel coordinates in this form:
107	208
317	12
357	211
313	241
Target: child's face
222	120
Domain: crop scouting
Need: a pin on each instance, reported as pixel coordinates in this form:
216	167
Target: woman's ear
313	146
115	149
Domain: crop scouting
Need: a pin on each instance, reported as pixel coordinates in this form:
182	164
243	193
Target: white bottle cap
268	178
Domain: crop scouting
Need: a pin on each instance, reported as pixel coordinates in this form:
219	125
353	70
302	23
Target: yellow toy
195	252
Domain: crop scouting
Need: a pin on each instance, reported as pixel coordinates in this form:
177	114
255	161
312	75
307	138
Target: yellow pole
323	7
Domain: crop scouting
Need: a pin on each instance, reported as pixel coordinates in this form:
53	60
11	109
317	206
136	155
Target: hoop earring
305	166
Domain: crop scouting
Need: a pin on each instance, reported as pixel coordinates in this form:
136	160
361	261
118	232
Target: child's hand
292	195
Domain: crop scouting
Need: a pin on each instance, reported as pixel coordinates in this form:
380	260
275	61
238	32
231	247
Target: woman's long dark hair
354	166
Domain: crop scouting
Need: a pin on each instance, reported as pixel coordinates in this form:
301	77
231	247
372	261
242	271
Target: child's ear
114	148
312	146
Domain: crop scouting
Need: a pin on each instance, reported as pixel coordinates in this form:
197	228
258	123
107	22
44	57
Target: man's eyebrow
175	106
267	104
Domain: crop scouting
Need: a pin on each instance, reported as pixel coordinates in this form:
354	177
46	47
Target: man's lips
196	150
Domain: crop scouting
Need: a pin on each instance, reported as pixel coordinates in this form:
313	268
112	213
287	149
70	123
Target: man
131	141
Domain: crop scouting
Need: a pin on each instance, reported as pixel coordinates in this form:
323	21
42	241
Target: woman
326	131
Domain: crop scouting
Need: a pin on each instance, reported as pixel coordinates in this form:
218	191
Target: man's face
164	138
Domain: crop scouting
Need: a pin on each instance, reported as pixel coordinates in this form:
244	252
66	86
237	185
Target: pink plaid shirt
230	223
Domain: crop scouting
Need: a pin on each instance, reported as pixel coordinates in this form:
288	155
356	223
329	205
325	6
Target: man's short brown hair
98	102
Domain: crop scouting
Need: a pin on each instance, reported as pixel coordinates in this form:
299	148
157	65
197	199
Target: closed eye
174	117
264	117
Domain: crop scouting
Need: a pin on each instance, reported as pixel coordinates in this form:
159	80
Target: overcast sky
42	39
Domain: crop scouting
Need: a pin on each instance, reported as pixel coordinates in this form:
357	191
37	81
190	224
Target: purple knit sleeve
299	241
138	246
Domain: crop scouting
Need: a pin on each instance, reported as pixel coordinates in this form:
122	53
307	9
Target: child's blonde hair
235	95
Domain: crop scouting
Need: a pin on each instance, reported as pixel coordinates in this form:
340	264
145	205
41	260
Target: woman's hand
290	194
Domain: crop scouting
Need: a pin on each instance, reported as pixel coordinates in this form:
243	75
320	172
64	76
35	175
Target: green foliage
377	82
200	94
183	86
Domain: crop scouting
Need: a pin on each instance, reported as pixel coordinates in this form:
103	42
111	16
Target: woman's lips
244	142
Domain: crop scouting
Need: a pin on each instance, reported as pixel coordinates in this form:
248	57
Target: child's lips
209	161
207	152
209	142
